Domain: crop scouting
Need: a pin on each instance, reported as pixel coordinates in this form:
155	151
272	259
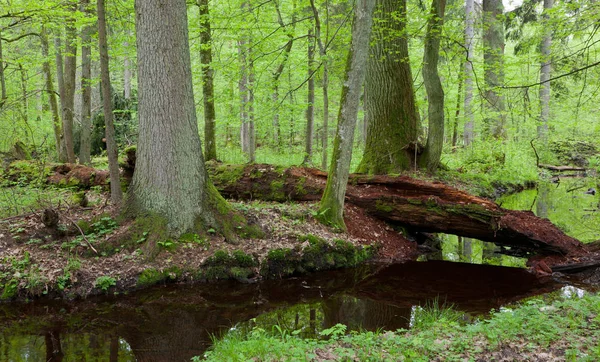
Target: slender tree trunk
243	90
493	58
545	73
170	179
208	93
325	62
251	127
116	194
430	158
3	95
280	68
68	103
127	74
468	132
25	111
456	116
86	90
332	204
310	107
49	85
393	124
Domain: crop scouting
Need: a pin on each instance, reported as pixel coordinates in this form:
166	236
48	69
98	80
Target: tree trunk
280	68
127	74
393	125
493	58
456	116
243	89
49	84
86	90
251	125
430	158
68	102
170	179
3	95
332	204
545	73
468	133
116	194
310	107
208	93
25	104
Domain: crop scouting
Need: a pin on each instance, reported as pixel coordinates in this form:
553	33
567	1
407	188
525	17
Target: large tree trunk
208	93
493	58
86	90
332	204
468	133
116	194
545	72
170	179
430	158
393	126
68	102
49	85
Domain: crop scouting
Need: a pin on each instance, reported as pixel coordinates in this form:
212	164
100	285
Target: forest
153	143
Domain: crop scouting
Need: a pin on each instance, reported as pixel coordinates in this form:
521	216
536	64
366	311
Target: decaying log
414	204
562	168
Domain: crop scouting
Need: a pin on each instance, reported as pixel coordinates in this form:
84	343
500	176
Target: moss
251	232
312	239
300	191
244	260
277	190
222	265
150	277
383	206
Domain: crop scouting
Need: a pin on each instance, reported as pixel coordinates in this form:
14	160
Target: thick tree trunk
468	133
430	158
68	102
493	58
86	90
49	85
116	194
393	126
208	93
170	179
310	100
545	73
332	204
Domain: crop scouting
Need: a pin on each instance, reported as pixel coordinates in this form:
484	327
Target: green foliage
153	276
105	282
222	265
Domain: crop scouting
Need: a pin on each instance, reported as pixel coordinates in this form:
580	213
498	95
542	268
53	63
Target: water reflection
175	323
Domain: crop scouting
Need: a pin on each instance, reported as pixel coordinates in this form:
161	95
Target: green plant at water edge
64	280
105	282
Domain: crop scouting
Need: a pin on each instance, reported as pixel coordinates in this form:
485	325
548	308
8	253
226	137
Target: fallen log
403	201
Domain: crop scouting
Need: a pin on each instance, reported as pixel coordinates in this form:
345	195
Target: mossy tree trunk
332	204
545	73
394	126
170	179
49	84
208	93
430	158
116	194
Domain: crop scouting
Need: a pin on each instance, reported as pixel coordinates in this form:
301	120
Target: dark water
175	323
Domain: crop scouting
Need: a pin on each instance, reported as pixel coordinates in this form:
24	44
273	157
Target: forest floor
92	250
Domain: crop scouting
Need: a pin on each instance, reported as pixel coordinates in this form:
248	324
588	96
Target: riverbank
566	328
91	250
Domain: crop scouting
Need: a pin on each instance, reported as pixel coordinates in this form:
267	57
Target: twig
82	234
537	158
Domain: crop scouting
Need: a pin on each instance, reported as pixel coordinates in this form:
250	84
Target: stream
177	322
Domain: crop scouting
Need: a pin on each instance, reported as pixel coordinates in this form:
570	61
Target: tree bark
3	95
393	125
49	84
243	87
116	194
86	90
545	74
493	58
468	133
208	93
430	158
310	100
68	102
332	204
170	179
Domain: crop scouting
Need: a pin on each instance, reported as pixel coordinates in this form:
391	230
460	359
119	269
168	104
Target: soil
48	254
